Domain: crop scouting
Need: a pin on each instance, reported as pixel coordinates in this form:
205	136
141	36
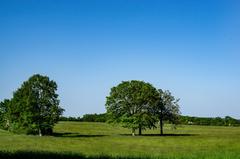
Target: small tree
129	103
167	108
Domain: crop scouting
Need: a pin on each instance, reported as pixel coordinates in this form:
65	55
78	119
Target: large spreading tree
138	105
34	108
129	103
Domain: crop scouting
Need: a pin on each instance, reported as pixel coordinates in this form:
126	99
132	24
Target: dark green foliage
94	117
129	103
166	108
138	105
185	120
34	108
4	113
63	118
227	121
87	118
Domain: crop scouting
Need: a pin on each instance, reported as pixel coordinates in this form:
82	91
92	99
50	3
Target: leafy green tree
229	121
166	108
4	106
129	103
34	107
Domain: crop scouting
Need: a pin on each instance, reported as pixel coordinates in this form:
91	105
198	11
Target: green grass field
101	140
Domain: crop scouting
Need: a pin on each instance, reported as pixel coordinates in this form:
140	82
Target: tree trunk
133	132
161	125
161	122
140	130
39	132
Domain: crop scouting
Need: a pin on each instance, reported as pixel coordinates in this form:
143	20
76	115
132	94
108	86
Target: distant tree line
69	118
217	121
183	120
87	118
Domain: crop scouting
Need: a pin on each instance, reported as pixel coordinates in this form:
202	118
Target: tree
229	121
34	107
166	108
4	106
129	103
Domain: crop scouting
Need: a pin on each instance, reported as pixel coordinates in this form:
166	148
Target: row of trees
87	118
227	121
138	105
34	108
184	120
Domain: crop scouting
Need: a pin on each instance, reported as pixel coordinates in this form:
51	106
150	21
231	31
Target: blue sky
188	47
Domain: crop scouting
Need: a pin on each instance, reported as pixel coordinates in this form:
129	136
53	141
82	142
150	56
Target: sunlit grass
101	139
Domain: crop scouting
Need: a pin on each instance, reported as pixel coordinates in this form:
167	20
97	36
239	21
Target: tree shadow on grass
169	135
73	135
161	135
76	135
55	155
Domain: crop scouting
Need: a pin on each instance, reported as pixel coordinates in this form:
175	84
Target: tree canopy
128	104
34	108
139	105
166	108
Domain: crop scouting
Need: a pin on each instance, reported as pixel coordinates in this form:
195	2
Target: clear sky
191	48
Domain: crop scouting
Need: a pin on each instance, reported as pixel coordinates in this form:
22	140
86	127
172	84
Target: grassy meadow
101	140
